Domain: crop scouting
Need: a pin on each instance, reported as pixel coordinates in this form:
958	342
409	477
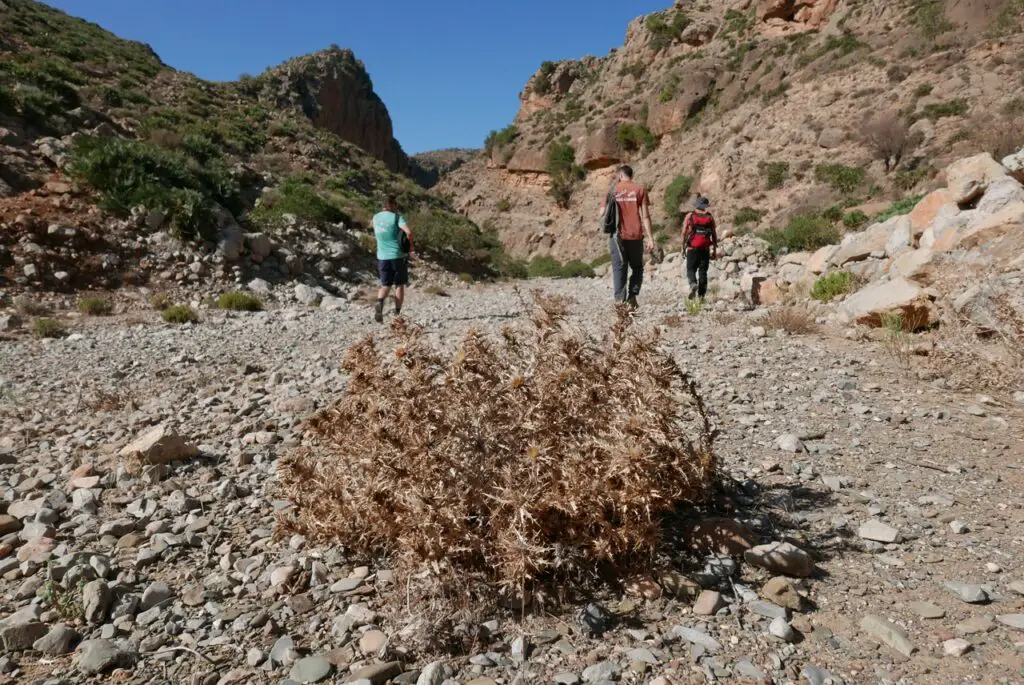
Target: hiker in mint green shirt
391	231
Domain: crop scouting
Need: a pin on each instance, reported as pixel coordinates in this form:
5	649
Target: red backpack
702	230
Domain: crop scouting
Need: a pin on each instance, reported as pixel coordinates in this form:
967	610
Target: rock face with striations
334	90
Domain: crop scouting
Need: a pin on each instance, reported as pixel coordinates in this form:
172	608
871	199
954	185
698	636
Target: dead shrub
512	465
982	345
792	320
1001	134
888	136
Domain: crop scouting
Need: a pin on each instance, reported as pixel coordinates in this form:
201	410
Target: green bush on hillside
804	232
831	286
131	173
676	195
898	208
498	139
299	197
843	178
665	28
855	220
564	171
542	84
773	173
634	137
179	314
941	110
549	267
8	100
747	215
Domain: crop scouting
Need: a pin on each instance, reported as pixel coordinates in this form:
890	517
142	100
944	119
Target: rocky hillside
117	169
771	108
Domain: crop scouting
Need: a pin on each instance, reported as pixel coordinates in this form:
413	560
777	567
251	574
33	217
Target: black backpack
610	219
404	244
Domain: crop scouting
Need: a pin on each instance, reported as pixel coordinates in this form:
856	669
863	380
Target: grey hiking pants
627	258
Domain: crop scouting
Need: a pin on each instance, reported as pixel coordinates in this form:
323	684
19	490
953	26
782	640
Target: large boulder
819	261
601	148
922	216
968	179
691	94
871	305
1015	165
914	265
528	159
983	229
999	195
857	247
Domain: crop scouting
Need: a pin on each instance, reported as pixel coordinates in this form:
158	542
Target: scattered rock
926	610
888	633
708	603
972	594
1015	621
782	558
311	669
781	591
874	529
956	647
162	445
98	656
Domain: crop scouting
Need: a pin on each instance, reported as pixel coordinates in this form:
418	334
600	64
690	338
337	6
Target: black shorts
393	271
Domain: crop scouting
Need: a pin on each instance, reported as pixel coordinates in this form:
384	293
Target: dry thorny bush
511	466
983	345
790	319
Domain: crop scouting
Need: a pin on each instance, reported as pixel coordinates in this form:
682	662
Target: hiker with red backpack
700	243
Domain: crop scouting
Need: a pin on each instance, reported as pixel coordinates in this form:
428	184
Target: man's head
626	172
391	203
702	203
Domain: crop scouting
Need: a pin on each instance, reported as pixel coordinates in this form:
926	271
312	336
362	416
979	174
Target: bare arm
645	217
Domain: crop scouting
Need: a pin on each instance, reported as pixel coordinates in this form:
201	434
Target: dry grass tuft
514	464
792	320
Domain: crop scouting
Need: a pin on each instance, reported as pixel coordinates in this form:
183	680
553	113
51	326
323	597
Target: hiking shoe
378	312
631	302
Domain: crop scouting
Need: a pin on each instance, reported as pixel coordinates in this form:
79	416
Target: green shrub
498	139
544	267
238	301
564	171
542	85
833	214
179	314
131	173
636	70
504	205
735	22
843	178
855	220
941	110
774	174
549	267
665	28
47	328
844	44
805	232
1008	20
633	137
898	208
923	90
747	215
95	306
299	197
8	100
930	17
577	269
831	286
112	97
601	260
676	194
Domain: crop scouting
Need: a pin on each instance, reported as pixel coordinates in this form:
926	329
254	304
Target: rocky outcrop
333	89
796	15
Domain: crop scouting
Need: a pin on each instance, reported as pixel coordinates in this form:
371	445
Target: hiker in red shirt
700	241
627	242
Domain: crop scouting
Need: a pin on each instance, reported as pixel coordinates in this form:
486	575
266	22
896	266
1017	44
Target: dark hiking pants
697	262
627	258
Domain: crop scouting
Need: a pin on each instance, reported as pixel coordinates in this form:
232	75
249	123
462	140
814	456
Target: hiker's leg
401	280
702	272
618	268
691	271
387	279
635	253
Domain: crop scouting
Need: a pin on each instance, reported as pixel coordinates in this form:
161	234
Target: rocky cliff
770	108
333	89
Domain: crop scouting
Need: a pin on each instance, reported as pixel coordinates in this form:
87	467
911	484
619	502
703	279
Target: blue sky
449	70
